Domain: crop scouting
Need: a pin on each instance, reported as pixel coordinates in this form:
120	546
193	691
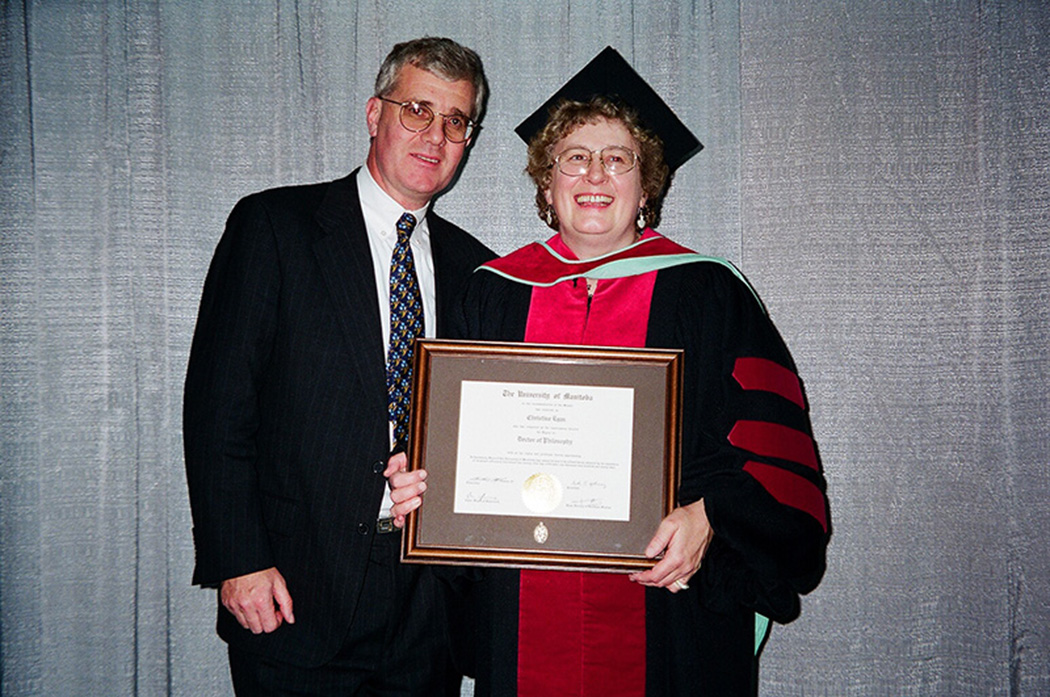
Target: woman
750	529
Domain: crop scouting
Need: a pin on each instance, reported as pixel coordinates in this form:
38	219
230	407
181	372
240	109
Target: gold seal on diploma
541	492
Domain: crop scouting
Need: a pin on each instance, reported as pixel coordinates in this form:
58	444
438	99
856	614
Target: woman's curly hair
565	117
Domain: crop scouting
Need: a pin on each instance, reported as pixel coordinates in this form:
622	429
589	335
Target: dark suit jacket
285	405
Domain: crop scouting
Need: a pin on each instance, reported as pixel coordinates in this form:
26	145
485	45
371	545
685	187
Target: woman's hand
683	537
406	488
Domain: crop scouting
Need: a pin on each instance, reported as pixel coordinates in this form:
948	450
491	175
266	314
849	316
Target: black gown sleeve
748	448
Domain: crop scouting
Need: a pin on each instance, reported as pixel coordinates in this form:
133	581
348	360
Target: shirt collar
383	206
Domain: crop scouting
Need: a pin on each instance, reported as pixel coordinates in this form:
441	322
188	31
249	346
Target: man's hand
406	488
251	599
683	537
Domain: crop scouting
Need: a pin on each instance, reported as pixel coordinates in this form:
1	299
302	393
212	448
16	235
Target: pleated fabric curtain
878	170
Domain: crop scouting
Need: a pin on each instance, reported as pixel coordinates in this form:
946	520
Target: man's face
412	167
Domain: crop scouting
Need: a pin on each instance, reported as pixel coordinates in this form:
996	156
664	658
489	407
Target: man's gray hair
442	57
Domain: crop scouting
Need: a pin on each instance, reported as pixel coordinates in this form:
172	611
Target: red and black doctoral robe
747	451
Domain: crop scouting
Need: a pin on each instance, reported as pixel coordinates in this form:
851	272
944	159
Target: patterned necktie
406	323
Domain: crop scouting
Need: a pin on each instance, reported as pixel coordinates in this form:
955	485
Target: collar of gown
551	262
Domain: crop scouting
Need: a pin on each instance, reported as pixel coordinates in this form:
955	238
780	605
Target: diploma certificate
559	450
557	457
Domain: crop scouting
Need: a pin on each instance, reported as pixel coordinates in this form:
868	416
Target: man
292	409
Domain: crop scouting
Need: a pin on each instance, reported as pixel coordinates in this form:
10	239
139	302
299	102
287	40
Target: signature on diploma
587	503
479	497
587	486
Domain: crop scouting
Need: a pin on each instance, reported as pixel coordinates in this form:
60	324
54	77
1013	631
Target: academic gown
747	450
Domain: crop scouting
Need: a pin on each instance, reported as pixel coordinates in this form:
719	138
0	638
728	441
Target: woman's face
596	210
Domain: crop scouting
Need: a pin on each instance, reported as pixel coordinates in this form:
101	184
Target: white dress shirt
381	213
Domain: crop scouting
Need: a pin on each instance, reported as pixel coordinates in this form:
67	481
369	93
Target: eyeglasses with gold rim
615	159
416	117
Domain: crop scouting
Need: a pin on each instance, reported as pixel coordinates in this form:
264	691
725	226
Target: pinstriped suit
285	425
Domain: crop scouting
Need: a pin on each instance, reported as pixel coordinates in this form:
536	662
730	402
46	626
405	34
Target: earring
548	215
641	218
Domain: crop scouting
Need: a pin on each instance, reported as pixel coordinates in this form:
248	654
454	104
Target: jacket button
378	466
362	528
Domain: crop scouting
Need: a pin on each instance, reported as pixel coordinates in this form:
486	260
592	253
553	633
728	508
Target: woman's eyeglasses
576	162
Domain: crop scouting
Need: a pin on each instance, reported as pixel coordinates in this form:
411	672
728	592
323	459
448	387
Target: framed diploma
556	457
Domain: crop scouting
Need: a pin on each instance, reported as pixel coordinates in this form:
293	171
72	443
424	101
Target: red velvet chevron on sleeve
767	375
790	489
774	440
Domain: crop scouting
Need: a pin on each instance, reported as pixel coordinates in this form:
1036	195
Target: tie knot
405	224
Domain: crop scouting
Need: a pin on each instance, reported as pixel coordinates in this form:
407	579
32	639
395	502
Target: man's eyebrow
430	105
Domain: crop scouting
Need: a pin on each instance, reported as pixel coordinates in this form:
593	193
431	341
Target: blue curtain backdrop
879	170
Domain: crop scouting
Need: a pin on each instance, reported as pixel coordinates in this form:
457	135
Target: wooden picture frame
486	414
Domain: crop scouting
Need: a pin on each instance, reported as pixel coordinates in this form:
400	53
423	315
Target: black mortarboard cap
609	75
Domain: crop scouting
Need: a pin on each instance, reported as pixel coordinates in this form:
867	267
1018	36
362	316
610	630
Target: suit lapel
345	259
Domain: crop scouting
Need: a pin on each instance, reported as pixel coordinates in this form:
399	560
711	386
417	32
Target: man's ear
373	108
